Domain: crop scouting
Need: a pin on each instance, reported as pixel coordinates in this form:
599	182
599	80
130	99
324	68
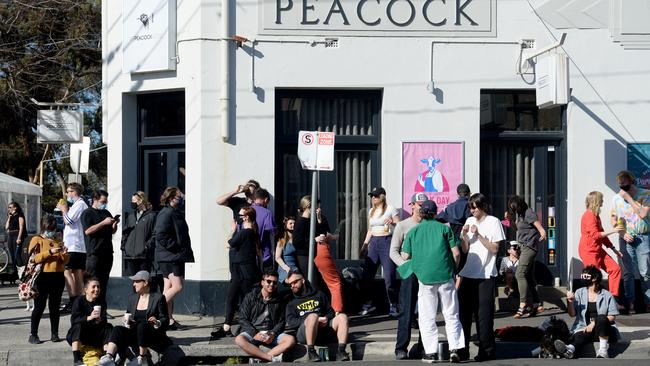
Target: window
354	115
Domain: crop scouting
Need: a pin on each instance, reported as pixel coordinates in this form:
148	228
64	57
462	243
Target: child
509	266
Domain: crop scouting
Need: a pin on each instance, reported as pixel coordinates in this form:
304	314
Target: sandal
536	309
522	312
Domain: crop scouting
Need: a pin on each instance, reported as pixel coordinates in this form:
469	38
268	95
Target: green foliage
50	50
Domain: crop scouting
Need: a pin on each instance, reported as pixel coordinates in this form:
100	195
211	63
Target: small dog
554	329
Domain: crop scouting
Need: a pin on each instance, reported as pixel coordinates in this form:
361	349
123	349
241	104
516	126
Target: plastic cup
127	319
97	308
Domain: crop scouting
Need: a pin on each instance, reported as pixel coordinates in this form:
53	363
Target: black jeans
141	334
603	328
50	287
100	267
476	301
90	333
408	299
241	282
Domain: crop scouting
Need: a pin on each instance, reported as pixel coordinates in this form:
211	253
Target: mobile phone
117	217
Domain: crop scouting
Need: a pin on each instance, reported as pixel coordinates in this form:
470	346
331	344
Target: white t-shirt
480	261
73	233
376	221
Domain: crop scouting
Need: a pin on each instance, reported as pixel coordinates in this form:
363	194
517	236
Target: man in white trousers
433	255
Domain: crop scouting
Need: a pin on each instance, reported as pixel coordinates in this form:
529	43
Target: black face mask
134	205
625	187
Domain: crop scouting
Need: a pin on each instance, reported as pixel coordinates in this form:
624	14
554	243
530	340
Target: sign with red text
316	150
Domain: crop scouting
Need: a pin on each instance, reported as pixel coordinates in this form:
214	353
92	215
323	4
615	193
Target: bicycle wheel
4	259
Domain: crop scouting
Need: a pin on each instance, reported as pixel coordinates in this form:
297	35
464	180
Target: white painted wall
399	66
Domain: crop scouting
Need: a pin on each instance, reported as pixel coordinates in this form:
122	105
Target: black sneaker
341	355
562	349
430	358
55	338
401	355
33	339
312	355
221	333
453	356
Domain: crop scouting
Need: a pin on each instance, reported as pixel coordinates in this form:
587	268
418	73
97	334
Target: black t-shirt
301	233
236	204
99	242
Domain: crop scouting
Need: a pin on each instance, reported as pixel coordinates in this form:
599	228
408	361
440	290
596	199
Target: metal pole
76	178
40	170
312	226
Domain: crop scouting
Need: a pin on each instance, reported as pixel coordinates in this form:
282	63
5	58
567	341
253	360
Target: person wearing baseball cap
144	325
382	218
409	288
432	255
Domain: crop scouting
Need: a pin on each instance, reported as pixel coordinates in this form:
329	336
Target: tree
50	50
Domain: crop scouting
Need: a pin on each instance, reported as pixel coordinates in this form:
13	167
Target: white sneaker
367	309
277	358
393	311
106	360
602	353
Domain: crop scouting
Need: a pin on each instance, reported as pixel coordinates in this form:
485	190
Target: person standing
480	239
284	251
301	237
382	218
529	233
173	246
99	227
265	225
51	253
138	241
408	291
74	241
592	239
433	253
630	207
455	214
233	201
16	232
245	267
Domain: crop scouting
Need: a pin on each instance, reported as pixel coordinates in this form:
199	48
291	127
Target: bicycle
5	259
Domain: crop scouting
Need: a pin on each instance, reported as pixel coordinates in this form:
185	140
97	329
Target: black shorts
178	269
76	261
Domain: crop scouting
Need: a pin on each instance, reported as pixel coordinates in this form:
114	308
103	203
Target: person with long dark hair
138	241
173	246
16	230
595	310
529	233
285	251
480	239
50	252
244	267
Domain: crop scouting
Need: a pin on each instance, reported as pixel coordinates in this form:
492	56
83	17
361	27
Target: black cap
377	191
429	207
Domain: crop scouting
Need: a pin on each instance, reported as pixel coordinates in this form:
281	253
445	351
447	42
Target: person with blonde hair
592	239
382	218
138	241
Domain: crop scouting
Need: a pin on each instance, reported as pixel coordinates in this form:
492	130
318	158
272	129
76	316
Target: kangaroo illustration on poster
431	180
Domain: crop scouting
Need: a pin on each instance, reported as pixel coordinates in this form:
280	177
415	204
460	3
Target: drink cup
97	308
127	319
62	202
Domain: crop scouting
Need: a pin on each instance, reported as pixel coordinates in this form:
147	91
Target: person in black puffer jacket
138	241
173	246
261	317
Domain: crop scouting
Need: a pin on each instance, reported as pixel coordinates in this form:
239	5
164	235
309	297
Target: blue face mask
101	206
70	200
49	234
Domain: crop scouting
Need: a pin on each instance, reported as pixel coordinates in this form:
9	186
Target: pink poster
435	168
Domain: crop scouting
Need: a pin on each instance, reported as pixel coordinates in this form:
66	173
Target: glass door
163	168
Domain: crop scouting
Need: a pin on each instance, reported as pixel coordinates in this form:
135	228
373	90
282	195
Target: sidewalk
372	338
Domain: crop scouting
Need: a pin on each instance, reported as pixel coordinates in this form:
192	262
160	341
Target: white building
185	105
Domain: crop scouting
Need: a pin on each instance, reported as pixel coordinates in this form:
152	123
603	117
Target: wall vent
527	44
331	43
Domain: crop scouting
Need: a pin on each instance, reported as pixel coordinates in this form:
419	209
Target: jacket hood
309	291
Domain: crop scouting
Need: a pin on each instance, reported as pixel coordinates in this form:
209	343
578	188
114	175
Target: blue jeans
408	298
636	259
378	255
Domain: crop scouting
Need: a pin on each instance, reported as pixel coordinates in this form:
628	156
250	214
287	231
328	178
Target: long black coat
172	237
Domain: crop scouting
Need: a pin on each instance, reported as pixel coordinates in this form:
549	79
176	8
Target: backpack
26	288
554	329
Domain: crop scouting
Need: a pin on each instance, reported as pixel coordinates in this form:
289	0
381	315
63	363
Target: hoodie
310	301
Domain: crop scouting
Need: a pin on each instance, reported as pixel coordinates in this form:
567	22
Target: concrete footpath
372	338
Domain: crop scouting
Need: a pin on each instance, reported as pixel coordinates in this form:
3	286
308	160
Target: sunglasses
295	282
271	282
585	276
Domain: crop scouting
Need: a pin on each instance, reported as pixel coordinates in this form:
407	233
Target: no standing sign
316	150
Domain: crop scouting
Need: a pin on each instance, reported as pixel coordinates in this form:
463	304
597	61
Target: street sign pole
312	226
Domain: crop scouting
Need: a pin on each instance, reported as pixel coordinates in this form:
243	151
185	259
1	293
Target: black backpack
556	329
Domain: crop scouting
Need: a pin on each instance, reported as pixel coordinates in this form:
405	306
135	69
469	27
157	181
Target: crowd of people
446	259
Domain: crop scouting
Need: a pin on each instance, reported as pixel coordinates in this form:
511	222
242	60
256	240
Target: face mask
134	205
102	206
70	200
49	234
625	187
181	203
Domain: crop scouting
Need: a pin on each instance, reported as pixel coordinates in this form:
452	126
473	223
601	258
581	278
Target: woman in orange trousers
592	239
